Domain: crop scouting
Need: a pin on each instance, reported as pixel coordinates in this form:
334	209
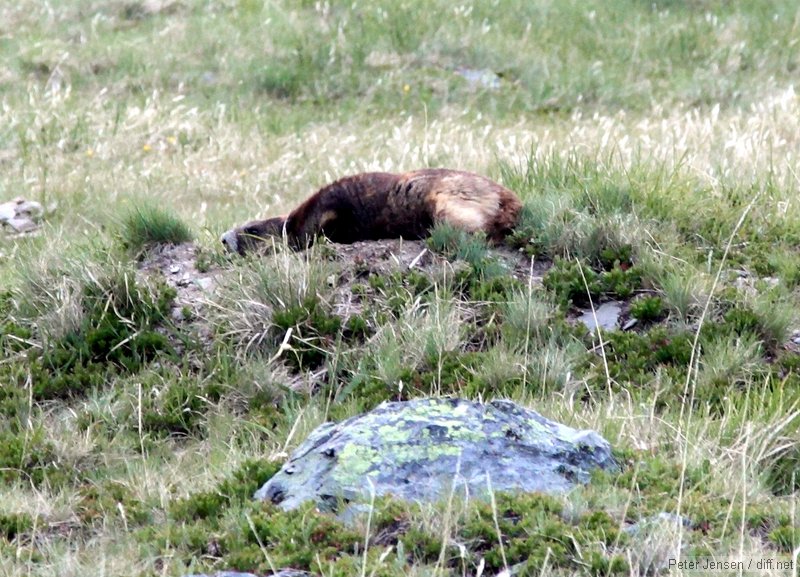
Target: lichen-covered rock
419	450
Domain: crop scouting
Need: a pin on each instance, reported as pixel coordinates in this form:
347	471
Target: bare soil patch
177	266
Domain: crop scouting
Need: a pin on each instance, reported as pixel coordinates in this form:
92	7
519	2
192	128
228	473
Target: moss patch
118	334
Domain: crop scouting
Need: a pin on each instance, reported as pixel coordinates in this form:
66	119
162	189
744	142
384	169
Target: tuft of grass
727	363
554	367
457	244
648	309
420	339
14	525
95	322
31	458
266	298
684	293
775	320
147	226
529	317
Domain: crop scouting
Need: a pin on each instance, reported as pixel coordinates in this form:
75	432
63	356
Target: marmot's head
248	237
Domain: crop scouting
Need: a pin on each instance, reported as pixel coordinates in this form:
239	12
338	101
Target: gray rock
420	450
205	283
22	224
629	324
607	316
21	215
223	574
8	210
750	285
482	78
281	573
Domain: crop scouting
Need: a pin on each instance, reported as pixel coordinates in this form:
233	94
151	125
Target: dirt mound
178	265
360	260
194	278
396	255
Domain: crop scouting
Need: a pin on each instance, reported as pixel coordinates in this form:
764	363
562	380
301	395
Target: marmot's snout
229	239
244	238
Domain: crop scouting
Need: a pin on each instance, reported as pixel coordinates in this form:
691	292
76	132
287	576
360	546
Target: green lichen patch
422	449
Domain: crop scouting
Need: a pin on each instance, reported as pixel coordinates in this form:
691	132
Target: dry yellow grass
227	172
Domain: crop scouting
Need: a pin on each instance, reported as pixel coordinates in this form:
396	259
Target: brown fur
378	205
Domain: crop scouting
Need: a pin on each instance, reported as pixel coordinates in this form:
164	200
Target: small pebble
630	324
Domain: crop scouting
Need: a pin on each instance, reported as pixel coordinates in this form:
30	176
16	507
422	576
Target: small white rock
29	208
630	324
205	283
606	315
7	211
22	224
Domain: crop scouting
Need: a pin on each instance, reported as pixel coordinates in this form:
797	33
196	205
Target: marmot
380	205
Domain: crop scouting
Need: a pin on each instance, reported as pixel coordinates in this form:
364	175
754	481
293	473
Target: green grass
146	227
654	146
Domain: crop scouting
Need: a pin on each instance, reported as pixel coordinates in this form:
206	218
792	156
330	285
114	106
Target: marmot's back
378	205
468	201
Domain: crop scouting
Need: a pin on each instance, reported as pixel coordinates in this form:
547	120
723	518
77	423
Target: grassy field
656	145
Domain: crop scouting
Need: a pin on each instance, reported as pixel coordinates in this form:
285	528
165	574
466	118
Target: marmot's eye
250	231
